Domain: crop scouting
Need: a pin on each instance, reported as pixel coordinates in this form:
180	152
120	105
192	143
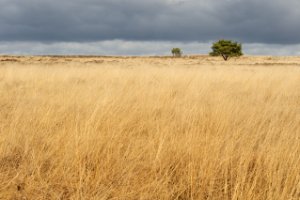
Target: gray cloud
249	21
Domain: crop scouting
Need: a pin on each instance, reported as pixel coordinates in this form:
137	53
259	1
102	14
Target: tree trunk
225	57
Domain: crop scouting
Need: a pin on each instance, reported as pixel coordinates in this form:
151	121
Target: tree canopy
226	49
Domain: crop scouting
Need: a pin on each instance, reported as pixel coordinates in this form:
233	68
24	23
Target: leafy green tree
226	49
176	52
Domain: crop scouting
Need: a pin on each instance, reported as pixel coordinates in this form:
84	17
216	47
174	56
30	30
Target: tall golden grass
148	132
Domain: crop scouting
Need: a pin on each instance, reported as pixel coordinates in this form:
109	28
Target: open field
150	128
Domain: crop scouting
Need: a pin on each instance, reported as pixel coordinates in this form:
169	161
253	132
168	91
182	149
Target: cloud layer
262	21
61	25
121	47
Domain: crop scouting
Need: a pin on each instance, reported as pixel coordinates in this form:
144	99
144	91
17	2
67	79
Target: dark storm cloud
259	21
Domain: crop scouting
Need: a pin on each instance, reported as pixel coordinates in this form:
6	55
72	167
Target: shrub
176	52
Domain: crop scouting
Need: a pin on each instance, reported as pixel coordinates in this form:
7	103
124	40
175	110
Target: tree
226	48
176	52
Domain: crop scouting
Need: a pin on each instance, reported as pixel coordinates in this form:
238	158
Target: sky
147	27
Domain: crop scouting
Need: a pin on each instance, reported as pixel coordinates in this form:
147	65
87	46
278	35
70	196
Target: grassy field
150	128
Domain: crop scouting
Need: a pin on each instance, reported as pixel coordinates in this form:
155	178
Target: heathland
149	128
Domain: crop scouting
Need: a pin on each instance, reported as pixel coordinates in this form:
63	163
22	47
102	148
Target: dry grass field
150	128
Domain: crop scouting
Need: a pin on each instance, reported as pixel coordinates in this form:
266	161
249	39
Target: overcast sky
147	27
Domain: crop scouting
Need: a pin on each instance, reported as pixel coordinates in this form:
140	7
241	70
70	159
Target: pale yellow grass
149	130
